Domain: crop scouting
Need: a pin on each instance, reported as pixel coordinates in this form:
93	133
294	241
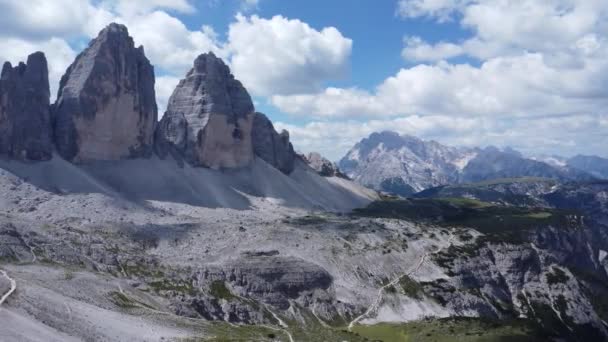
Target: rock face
106	107
403	164
217	114
25	128
323	166
272	147
594	165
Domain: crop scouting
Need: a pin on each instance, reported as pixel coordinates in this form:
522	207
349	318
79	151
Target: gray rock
106	107
171	137
272	147
209	117
323	166
25	128
404	164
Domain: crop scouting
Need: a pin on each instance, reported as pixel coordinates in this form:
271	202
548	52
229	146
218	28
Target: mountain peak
106	106
24	110
114	28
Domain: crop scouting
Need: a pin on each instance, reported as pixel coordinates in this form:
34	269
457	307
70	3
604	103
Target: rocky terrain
209	227
403	165
323	166
114	268
594	165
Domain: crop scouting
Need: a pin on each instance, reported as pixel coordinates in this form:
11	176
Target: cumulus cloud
58	53
134	7
507	86
249	5
443	10
271	56
164	87
49	25
168	43
418	50
567	135
538	82
285	56
502	27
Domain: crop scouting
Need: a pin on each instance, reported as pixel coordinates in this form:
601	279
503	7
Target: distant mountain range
404	164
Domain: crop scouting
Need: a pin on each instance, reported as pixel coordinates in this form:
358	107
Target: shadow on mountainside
143	180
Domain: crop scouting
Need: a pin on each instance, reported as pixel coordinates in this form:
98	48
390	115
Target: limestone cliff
106	107
25	129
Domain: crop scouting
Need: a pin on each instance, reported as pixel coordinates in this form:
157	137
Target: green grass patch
450	329
410	287
219	290
180	286
224	332
123	301
498	223
308	220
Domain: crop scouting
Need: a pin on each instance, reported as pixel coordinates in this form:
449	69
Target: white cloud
164	87
538	82
249	5
511	86
58	53
285	56
440	9
503	27
418	50
135	7
48	25
168	43
567	135
333	139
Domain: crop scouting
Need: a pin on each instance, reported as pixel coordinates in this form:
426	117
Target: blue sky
528	74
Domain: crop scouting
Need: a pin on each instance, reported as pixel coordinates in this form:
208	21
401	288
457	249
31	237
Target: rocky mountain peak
274	148
323	166
25	129
217	112
106	107
404	164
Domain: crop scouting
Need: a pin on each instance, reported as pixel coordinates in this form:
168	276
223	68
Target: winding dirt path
11	290
372	308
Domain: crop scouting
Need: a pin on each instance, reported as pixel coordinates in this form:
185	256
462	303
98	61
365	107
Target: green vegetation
140	269
500	181
123	301
180	286
308	220
498	223
410	287
450	329
224	332
557	276
485	191
465	202
219	290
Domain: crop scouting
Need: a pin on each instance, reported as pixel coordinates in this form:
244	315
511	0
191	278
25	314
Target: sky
528	74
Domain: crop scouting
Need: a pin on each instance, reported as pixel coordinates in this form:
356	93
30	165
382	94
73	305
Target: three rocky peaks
106	110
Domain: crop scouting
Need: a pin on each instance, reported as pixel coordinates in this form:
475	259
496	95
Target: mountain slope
404	165
596	166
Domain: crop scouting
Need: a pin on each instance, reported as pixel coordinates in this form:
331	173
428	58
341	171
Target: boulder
272	147
106	106
209	118
25	126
